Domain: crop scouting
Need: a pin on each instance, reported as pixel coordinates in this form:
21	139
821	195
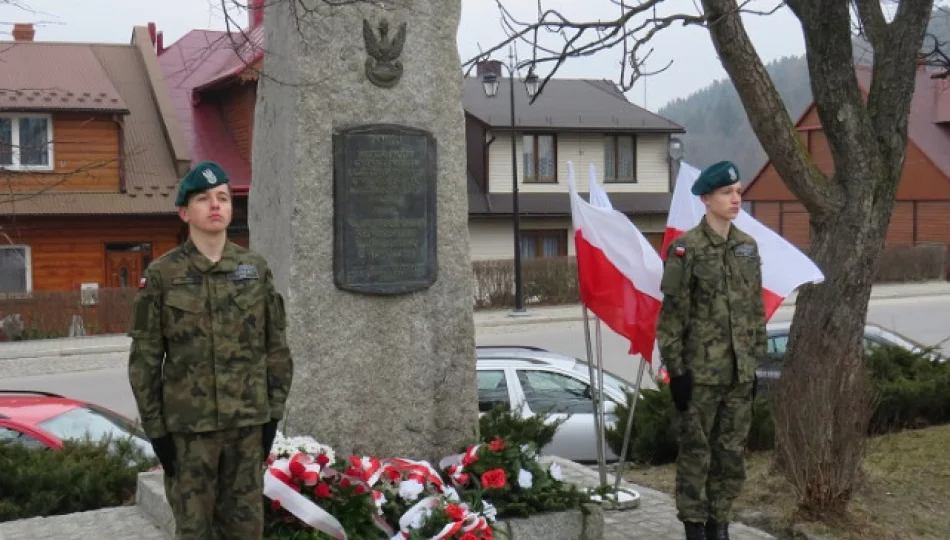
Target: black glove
165	450
682	389
268	433
755	386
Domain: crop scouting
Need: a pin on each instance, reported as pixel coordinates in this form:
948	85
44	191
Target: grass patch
904	495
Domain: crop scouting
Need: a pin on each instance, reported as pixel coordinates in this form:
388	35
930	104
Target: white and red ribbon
303	508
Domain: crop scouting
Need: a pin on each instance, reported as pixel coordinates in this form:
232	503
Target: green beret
201	177
717	175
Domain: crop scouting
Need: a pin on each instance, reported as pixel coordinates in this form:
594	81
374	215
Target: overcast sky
694	60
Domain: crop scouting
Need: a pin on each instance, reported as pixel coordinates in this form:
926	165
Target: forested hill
717	127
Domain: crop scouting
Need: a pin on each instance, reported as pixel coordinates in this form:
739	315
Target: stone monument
359	202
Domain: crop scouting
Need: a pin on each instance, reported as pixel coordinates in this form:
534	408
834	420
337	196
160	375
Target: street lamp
676	150
490	86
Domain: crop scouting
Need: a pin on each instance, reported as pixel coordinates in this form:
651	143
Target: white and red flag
784	267
618	270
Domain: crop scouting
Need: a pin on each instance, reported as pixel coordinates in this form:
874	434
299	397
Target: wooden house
90	156
922	211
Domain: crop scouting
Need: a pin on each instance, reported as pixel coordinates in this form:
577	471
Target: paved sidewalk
574	312
118	343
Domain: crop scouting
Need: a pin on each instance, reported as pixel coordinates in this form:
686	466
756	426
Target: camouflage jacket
713	318
209	348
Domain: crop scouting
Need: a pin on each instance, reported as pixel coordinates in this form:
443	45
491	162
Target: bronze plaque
384	209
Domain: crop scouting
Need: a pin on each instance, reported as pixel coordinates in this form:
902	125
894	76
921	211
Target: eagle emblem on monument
383	67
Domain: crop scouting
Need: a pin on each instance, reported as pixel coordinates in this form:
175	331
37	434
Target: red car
45	420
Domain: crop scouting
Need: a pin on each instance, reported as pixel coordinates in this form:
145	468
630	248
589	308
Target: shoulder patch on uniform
680	251
143	282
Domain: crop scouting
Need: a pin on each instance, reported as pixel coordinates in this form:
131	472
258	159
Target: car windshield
610	379
97	424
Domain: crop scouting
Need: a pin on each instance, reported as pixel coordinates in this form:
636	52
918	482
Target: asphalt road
926	320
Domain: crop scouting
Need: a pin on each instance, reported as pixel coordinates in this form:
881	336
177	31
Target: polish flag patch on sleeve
143	282
680	251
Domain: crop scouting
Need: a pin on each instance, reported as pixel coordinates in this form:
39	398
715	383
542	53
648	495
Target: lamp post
676	151
490	86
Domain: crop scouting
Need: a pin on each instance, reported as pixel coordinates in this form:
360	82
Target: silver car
534	380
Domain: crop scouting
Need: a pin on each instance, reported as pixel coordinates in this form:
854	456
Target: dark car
874	336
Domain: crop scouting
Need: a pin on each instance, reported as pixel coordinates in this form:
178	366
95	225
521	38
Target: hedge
913	391
81	476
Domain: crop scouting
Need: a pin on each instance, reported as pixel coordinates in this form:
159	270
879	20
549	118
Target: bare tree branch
872	20
766	110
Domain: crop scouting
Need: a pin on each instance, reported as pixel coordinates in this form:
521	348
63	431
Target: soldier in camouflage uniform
210	367
711	334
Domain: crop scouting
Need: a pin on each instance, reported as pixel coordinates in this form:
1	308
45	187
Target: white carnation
525	479
410	489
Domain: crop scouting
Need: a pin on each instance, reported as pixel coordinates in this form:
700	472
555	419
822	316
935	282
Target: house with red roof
90	156
922	211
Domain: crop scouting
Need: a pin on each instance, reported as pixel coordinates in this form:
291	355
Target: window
777	344
492	389
26	142
15	275
620	159
550	243
96	425
540	158
12	436
545	391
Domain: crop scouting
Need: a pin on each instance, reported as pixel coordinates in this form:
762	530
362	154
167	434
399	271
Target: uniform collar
228	262
717	240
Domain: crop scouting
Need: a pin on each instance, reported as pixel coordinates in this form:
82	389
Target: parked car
770	368
534	380
45	420
874	336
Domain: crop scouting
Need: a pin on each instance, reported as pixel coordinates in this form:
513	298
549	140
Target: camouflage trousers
710	466
217	489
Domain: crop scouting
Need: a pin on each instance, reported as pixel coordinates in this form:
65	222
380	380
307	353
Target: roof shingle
43	76
565	104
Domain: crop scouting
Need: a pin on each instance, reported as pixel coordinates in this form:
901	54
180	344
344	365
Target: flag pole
600	393
601	465
629	429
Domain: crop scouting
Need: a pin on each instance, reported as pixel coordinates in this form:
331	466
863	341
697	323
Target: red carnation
494	478
360	489
486	534
393	474
322	459
497	445
463	479
468	536
345	483
469	459
322	490
455	512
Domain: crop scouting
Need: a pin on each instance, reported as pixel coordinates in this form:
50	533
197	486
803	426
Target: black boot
694	531
717	531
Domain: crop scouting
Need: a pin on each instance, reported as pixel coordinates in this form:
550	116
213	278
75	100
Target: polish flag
618	270
784	267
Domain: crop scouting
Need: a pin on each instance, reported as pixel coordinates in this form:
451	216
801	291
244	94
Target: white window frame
15	142
28	255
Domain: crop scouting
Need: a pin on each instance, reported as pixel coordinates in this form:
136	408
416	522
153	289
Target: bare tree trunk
825	400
